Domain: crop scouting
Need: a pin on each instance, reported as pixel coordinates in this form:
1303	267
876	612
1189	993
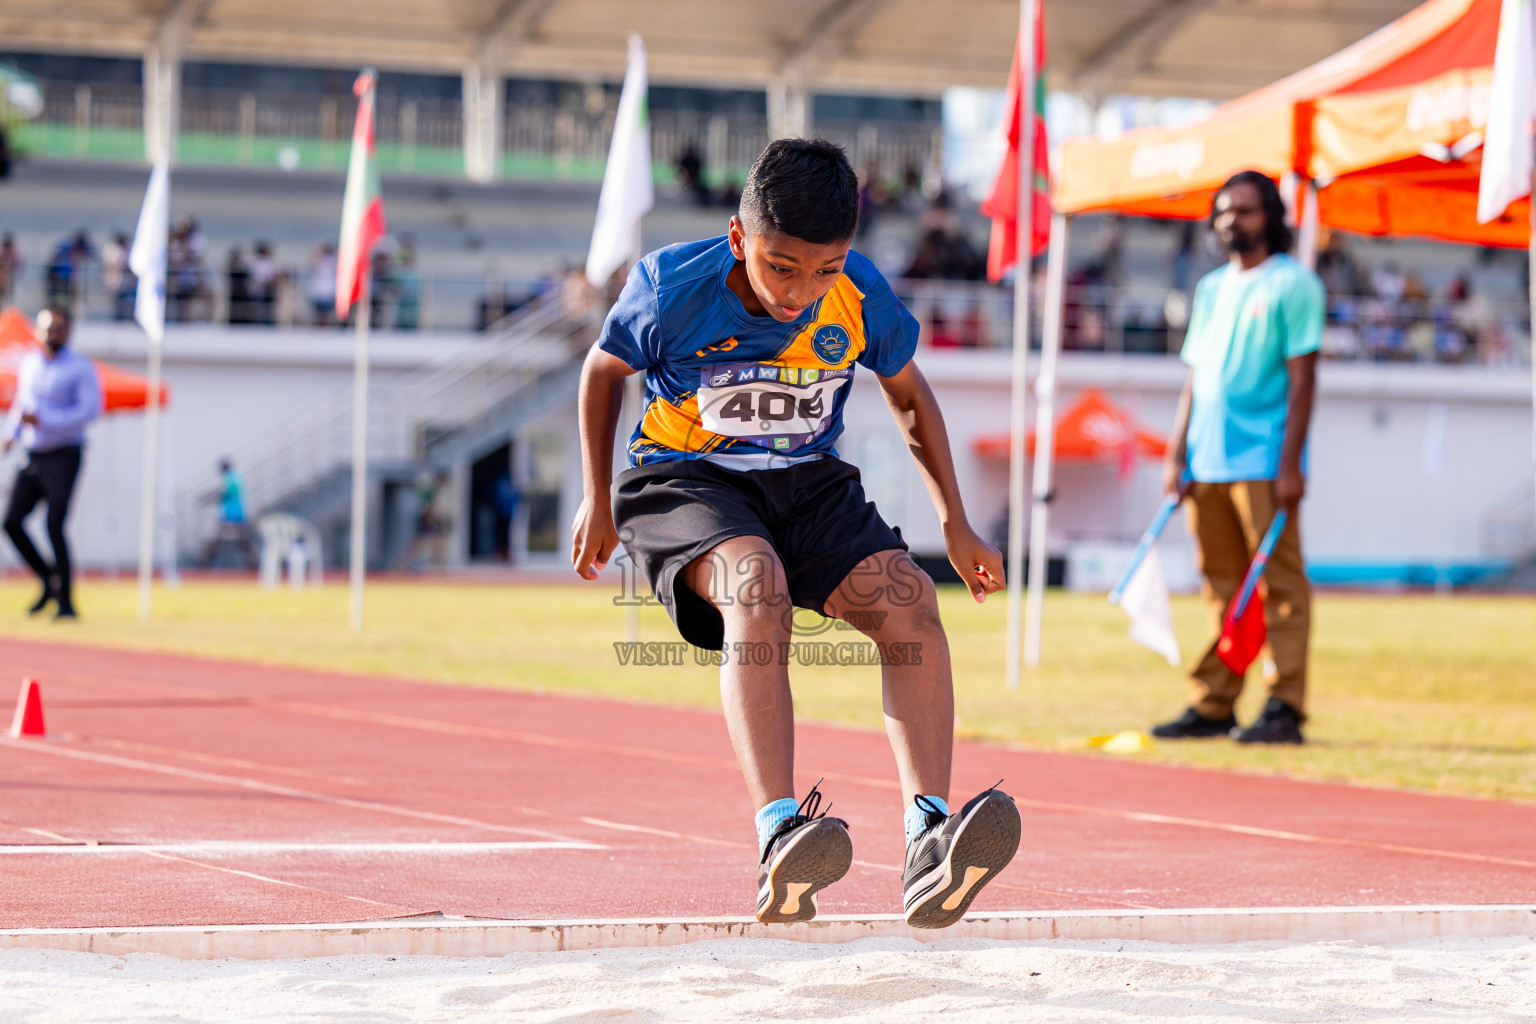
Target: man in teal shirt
1238	452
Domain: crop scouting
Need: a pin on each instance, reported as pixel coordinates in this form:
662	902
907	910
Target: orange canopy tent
1093	430
119	389
1388	130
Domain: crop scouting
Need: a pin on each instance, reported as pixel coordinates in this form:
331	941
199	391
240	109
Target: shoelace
804	814
937	817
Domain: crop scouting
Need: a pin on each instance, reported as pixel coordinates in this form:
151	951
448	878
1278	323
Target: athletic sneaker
805	854
955	856
1192	725
1277	723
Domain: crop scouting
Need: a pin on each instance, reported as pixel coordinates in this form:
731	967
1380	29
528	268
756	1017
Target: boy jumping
738	510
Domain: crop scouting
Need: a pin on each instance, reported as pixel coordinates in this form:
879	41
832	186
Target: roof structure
1390	130
1207	48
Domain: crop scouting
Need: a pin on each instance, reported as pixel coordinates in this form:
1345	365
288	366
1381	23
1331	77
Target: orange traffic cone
29	711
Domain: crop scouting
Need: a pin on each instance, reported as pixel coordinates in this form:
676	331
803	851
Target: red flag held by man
1002	205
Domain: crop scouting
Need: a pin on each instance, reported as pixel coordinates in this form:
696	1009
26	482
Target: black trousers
48	477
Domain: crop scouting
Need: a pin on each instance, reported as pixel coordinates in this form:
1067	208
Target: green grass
1411	691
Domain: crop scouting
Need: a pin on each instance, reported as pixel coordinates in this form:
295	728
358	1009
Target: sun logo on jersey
830	343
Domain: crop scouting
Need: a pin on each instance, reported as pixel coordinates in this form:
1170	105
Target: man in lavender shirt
57	394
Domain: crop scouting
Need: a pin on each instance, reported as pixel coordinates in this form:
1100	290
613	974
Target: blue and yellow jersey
747	391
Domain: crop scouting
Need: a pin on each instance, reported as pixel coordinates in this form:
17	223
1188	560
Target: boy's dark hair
803	188
1278	236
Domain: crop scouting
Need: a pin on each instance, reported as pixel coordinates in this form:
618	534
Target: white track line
218	848
33	746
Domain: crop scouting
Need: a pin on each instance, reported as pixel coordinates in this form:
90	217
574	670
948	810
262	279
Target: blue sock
770	815
916	818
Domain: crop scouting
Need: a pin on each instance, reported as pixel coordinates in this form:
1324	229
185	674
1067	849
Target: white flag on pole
1145	600
147	257
628	193
1507	157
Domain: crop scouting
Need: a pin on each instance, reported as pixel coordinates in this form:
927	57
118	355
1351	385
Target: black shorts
814	514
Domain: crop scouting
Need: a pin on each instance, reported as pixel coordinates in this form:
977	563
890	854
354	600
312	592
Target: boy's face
787	274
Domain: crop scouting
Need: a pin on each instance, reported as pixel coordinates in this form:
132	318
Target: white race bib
779	408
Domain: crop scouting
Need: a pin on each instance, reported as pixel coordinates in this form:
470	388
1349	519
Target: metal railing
249	128
440	302
1150	319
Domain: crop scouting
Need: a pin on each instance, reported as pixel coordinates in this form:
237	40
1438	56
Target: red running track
321	783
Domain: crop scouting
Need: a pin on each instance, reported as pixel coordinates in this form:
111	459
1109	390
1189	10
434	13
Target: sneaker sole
986	842
817	857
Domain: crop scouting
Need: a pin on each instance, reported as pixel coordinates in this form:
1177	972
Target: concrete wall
1409	464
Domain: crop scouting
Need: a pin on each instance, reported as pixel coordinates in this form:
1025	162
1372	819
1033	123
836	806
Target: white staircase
408	419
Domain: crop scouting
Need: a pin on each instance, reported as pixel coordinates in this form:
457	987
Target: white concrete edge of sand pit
451	936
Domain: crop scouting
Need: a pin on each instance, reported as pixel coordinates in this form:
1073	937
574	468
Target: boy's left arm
922	425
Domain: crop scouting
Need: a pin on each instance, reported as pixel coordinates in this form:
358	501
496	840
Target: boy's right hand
593	538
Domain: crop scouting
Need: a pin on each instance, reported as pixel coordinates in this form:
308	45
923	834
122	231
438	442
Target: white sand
1482	981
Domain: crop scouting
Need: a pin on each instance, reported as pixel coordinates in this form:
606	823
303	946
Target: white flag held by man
628	193
147	257
1145	600
1507	156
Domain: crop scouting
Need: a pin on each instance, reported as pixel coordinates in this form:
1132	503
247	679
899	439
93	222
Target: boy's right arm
594	536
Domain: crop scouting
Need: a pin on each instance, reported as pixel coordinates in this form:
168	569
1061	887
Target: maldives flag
1002	205
362	210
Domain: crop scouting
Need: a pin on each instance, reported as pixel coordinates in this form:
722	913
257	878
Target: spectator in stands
1340	273
11	265
321	284
382	290
407	286
943	252
238	276
61	276
1237	451
494	307
187	292
265	275
117	277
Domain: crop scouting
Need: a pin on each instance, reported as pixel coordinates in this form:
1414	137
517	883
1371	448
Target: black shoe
49	594
956	856
1192	725
66	614
805	854
1277	723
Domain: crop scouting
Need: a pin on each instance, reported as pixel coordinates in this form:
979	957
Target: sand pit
1486	980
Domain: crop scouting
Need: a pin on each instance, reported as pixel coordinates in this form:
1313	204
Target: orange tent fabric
1093	430
1389	128
119	389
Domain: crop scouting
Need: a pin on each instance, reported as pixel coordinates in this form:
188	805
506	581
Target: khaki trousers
1227	522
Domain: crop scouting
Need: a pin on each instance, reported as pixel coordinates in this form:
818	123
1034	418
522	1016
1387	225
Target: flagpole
1530	286
146	258
1045	435
147	490
1018	419
363	310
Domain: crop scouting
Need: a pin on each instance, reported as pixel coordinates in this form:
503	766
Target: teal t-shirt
1243	326
231	502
